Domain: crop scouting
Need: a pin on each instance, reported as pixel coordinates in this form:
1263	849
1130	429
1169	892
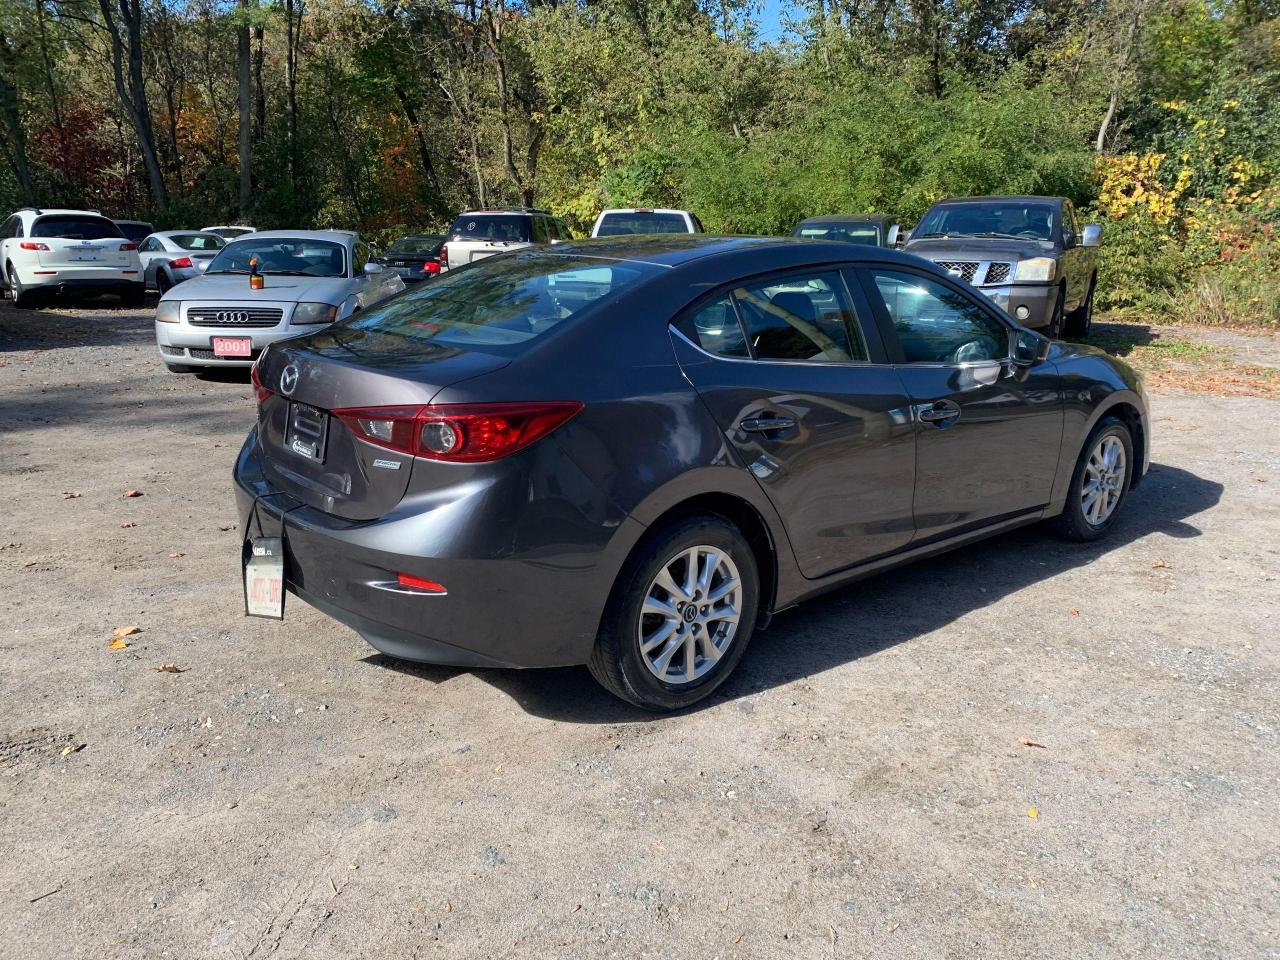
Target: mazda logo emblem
233	316
289	379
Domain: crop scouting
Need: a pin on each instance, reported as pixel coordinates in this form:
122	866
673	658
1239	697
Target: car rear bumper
81	281
501	609
1031	304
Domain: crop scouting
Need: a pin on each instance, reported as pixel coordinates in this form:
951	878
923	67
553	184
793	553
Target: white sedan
267	286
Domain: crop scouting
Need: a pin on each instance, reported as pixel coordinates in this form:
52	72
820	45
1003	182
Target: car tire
1082	518
162	283
631	673
1054	329
21	296
1080	321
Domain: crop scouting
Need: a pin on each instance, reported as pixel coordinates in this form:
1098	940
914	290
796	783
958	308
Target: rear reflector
458	432
32	245
417	583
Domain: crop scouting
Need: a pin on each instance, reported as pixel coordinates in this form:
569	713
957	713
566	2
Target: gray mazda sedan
629	453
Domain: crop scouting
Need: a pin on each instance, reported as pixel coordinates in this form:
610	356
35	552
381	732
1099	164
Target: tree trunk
291	84
246	109
424	154
131	88
47	63
13	128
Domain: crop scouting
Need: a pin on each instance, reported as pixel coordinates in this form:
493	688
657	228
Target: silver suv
477	234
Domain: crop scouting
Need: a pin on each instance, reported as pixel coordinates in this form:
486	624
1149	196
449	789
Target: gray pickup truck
1028	254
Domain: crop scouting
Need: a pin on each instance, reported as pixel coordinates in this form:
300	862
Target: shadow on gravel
52	328
864	618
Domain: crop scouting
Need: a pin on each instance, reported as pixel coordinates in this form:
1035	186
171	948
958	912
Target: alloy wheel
1103	480
690	614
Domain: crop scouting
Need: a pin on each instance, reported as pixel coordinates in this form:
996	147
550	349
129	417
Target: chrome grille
965	269
997	272
234	316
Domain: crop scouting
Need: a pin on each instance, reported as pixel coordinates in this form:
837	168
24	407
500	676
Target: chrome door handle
942	413
766	424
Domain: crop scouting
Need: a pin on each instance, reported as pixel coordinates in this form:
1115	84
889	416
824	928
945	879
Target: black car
629	453
1031	255
417	257
873	229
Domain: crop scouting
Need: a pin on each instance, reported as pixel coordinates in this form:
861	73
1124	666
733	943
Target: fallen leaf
126	631
132	493
1075	612
175	556
118	644
1034	813
576	908
738	938
171	668
31	563
72	748
448	907
1159	565
894	928
127	524
68	495
1028	742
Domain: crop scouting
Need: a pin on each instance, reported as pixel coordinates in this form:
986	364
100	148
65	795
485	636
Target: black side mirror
1029	348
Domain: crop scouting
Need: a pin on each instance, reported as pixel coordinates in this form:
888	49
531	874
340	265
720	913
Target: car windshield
76	228
625	224
502	304
497	227
198	241
1013	218
867	233
414	247
287	256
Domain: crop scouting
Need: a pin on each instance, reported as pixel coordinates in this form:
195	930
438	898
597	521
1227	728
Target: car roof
848	218
1028	198
181	233
62	212
140	223
642	210
333	236
675	249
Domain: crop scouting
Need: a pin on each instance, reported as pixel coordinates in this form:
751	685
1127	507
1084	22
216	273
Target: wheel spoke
691	572
727	614
669	584
709	649
727	586
663	660
658	636
660	608
690	656
709	564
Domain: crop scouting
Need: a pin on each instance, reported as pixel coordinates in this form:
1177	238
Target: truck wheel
1080	322
1054	330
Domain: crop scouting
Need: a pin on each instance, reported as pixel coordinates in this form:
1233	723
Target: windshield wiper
944	234
1003	236
207	272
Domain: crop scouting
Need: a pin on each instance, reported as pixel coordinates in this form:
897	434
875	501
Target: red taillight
431	266
458	432
128	246
32	245
259	390
418	583
181	263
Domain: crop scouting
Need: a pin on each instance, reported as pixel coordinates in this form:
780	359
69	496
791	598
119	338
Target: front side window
501	305
361	257
1024	219
800	317
503	228
76	228
936	324
283	256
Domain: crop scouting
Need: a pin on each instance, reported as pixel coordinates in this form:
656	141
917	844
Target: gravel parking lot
1024	749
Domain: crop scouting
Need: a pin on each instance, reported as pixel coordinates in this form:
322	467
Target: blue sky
771	28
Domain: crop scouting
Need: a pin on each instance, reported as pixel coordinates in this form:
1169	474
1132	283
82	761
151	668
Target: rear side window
76	228
625	224
502	305
495	227
715	327
800	317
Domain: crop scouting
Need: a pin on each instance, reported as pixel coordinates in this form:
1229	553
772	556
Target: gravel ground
1024	749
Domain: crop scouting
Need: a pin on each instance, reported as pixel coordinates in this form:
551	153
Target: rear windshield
230	233
502	304
136	231
487	226
623	224
75	228
284	256
848	232
198	241
414	247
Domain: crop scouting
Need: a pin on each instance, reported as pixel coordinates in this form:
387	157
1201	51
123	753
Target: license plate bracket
264	578
238	347
307	431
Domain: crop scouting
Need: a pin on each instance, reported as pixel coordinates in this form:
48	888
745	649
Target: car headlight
1037	268
169	311
314	313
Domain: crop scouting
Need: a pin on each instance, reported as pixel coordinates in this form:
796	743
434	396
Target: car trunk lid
106	252
310	453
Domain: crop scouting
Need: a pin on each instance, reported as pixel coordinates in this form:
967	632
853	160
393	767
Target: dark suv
1028	254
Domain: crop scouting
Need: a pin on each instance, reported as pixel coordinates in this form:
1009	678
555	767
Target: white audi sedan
267	286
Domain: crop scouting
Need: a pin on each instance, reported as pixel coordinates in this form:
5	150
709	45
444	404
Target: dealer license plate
232	347
264	578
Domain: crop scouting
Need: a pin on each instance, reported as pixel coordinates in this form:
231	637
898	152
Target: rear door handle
766	424
942	413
